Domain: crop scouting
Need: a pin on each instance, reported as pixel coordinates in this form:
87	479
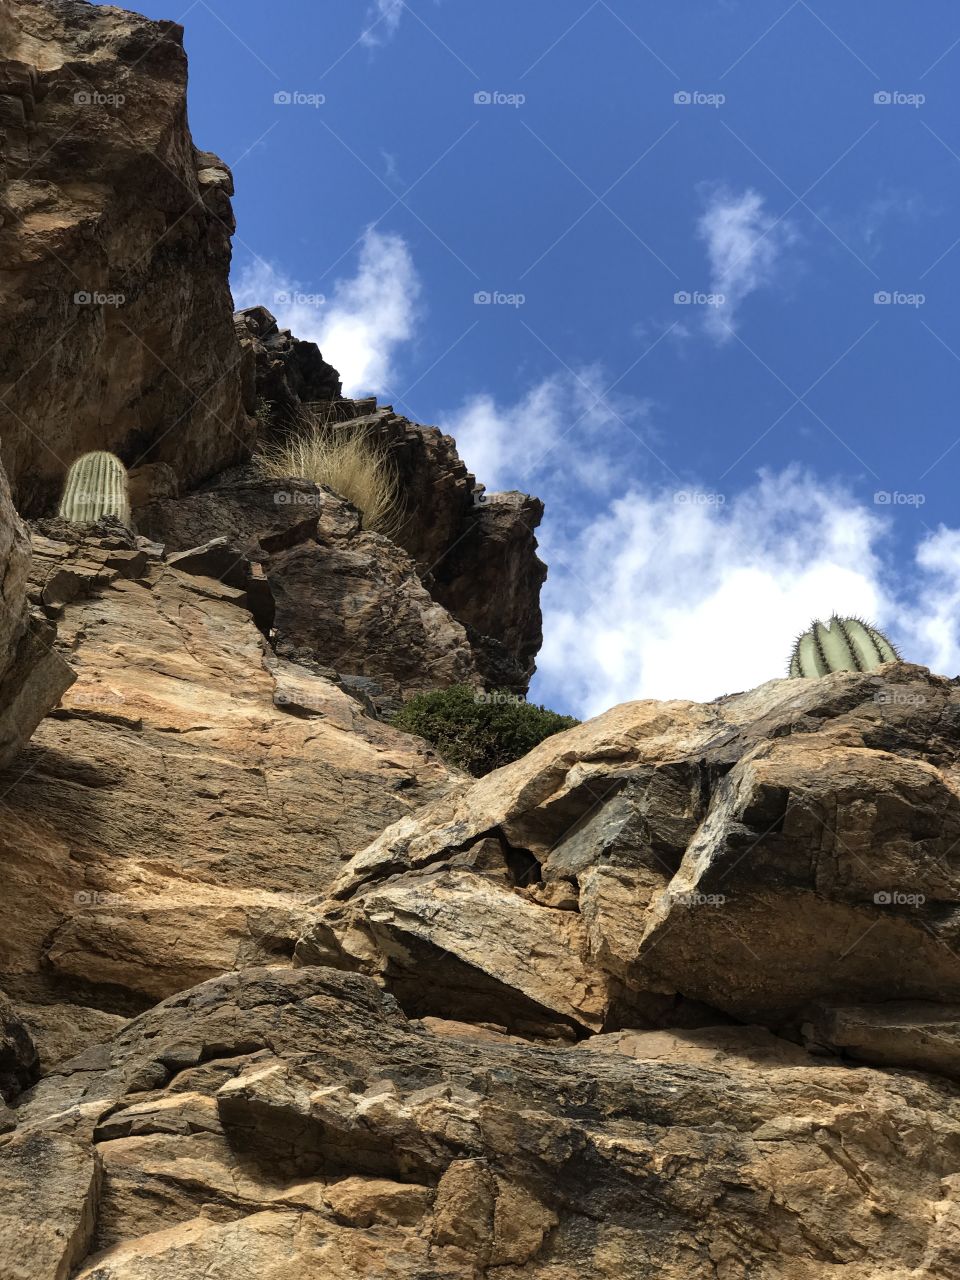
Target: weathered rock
116	324
358	606
49	1192
476	554
32	675
899	1033
348	600
19	1062
287	373
741	859
61	1031
179	813
287	1123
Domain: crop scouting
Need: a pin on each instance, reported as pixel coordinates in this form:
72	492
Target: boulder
675	863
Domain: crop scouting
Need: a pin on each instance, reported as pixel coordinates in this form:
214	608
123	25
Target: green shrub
479	732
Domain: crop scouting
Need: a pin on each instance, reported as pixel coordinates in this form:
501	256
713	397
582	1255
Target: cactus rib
841	644
96	486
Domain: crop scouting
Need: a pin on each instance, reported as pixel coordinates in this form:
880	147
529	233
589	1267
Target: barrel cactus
96	486
842	644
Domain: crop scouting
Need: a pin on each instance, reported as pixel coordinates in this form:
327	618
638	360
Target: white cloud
357	327
744	245
656	598
382	21
549	437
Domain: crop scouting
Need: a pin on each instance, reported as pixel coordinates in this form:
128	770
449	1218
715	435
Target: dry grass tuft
346	460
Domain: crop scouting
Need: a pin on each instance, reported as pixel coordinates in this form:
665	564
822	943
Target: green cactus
842	644
96	486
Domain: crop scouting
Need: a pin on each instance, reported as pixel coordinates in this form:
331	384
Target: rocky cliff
115	317
285	996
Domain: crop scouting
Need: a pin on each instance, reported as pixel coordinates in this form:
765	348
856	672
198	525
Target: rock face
190	796
32	675
284	373
676	995
290	1123
475	553
116	319
770	858
341	598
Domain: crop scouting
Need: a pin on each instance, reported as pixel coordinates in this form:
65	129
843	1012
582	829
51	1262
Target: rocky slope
282	995
675	995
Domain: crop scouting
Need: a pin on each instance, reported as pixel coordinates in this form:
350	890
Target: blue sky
715	469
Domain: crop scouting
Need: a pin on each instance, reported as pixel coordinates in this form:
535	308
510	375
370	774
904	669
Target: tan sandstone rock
178	816
743	859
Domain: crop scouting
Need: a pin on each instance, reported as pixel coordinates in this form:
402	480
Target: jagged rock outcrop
340	597
283	372
116	324
32	675
772	858
475	553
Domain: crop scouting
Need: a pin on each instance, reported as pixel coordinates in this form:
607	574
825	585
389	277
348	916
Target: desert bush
347	460
479	732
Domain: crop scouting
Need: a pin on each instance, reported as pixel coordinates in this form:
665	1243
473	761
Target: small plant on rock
347	460
842	644
479	732
96	486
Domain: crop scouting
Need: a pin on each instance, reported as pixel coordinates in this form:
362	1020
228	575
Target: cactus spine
842	644
96	486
